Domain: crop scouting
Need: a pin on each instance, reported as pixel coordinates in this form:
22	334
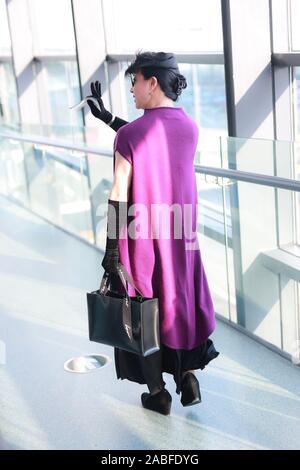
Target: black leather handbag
129	323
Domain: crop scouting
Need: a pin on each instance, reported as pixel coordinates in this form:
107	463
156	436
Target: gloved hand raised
100	113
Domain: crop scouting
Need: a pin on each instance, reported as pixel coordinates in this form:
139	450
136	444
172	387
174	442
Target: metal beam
285	59
183	58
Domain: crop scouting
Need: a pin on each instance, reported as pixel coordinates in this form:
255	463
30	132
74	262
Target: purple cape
161	145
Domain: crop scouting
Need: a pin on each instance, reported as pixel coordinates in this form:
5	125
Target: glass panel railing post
225	222
231	152
26	175
92	211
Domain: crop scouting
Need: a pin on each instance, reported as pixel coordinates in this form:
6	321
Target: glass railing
248	219
280	158
99	135
247	241
262	156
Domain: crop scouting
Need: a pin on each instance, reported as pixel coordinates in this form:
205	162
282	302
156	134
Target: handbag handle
124	276
126	308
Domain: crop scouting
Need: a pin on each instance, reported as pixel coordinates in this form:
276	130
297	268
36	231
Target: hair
171	82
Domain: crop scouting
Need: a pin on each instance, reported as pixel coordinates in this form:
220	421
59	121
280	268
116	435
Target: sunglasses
133	80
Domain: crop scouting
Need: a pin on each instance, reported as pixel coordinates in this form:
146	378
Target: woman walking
154	166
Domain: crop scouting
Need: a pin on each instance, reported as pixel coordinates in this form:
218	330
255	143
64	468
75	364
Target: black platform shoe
190	390
160	402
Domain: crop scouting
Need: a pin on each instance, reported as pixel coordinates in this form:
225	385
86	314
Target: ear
153	82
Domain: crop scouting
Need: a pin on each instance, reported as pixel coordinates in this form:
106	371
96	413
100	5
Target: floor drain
84	364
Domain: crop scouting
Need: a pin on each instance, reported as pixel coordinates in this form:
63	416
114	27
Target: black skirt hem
148	370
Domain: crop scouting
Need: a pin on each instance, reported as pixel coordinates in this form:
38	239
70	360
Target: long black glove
116	220
102	113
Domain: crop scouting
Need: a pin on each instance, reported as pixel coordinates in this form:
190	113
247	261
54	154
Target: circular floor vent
84	364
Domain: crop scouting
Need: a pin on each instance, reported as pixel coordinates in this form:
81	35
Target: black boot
190	390
160	402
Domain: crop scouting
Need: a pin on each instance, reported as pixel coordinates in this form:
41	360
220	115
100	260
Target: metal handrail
49	142
249	177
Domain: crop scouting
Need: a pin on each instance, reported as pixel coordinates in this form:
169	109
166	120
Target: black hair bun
179	84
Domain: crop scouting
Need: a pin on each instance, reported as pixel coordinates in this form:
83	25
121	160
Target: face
142	89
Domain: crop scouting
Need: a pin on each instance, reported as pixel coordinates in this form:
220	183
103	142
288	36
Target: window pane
297	102
9	112
5	45
53	30
61	90
295	15
169	25
296	146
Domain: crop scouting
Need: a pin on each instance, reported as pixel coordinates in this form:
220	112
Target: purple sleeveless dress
161	145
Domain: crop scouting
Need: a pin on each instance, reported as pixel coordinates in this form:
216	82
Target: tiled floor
250	395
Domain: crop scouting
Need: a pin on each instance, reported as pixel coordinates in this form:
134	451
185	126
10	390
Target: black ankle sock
156	392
